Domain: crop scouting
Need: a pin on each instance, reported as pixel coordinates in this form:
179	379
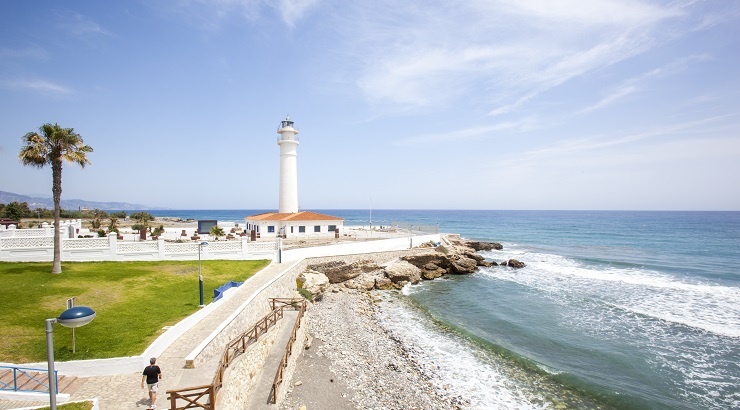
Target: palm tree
216	231
53	145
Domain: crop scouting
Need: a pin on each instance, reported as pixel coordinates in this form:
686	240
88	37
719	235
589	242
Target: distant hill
71	204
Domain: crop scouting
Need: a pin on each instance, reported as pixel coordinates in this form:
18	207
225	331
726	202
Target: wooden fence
204	397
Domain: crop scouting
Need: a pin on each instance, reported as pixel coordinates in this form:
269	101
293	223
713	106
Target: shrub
306	294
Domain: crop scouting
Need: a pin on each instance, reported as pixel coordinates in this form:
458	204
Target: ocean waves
680	333
696	303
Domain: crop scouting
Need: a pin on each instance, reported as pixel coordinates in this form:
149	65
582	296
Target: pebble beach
353	362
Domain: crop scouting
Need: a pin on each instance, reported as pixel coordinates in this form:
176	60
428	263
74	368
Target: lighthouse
288	142
288	222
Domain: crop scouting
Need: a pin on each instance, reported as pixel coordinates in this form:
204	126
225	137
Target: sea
613	310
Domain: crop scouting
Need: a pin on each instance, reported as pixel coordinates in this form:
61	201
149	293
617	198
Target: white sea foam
454	364
689	326
704	306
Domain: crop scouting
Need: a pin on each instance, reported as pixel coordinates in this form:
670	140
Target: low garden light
72	317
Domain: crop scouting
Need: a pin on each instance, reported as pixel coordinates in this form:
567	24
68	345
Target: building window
317	228
332	228
271	229
301	229
291	229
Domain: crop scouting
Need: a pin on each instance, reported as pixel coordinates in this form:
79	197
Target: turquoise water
613	310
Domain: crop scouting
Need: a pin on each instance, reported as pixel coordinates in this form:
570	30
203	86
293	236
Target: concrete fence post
113	246
245	247
160	248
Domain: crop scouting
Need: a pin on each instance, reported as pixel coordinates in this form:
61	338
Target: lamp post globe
72	317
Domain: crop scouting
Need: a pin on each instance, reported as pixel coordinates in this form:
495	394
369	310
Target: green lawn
82	405
133	302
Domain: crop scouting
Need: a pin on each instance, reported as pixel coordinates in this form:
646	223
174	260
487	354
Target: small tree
97	216
216	231
119	215
113	225
158	230
14	211
142	219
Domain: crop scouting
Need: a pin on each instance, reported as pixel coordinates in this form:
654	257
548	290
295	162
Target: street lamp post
200	273
73	317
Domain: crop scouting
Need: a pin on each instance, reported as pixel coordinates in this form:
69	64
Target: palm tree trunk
56	176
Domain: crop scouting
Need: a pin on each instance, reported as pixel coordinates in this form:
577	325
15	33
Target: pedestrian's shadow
143	402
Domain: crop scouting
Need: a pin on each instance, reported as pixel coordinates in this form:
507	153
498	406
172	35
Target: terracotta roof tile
297	216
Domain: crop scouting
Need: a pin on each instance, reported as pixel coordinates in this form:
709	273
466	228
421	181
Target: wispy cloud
472	133
632	85
40	86
292	11
582	147
503	53
616	95
79	25
212	13
32	52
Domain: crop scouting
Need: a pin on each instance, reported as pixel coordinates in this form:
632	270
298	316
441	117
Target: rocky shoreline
351	360
394	270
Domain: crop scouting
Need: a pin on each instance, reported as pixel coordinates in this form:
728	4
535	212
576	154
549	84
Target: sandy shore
354	363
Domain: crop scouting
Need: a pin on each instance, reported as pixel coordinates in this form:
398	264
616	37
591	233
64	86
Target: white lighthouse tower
288	221
288	200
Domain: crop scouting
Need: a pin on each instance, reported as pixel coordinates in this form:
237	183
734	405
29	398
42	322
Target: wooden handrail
191	395
234	348
288	350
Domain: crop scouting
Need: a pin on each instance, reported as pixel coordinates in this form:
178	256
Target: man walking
151	375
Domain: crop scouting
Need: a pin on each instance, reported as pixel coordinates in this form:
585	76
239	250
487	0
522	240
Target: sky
511	104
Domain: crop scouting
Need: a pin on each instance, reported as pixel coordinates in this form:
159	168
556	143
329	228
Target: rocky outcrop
484	246
402	272
513	263
314	282
340	271
457	257
462	265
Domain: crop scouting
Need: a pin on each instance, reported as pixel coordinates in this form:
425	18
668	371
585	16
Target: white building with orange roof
288	221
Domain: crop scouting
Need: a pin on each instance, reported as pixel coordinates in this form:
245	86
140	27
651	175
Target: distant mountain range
71	204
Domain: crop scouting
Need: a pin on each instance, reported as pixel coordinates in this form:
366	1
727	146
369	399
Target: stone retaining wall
282	287
241	376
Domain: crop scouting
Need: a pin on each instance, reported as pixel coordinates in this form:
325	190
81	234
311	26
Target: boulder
484	246
432	264
419	260
513	263
365	281
431	271
403	271
312	281
383	283
340	271
463	264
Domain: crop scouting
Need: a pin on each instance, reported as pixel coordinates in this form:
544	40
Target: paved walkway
124	392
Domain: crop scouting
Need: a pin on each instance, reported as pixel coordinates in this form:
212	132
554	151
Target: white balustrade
37	244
